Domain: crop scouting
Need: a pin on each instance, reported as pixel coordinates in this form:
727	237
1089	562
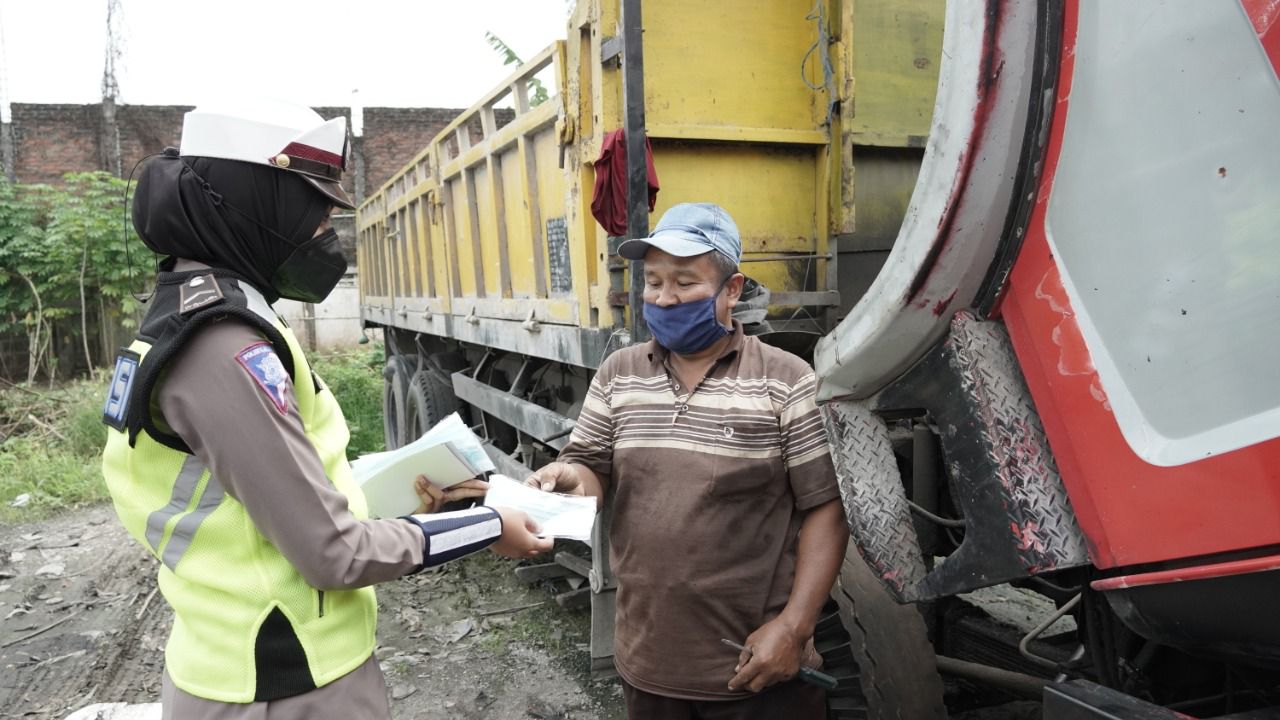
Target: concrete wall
331	325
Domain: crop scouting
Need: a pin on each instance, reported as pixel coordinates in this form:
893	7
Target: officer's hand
432	498
519	536
473	488
775	655
556	477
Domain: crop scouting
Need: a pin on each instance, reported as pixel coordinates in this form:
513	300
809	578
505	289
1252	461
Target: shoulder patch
199	292
264	365
117	405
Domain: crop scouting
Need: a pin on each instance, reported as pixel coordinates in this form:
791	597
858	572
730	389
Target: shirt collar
659	354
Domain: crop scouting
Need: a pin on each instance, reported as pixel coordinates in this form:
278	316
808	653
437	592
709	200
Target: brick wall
392	136
144	129
51	140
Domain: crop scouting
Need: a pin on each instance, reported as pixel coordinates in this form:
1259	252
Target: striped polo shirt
710	487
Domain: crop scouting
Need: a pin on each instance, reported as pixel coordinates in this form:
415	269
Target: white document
447	454
557	515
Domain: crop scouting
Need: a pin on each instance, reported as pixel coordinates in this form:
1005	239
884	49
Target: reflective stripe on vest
186	528
189	477
219	574
183	489
257	302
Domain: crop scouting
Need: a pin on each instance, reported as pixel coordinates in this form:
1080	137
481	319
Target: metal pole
1017	683
637	168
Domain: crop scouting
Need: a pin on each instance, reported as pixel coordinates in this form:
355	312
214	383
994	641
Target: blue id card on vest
113	413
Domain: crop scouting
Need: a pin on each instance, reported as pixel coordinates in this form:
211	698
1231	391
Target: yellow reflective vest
247	627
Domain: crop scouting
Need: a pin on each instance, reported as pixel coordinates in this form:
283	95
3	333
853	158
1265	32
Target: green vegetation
550	627
355	377
64	279
50	448
51	440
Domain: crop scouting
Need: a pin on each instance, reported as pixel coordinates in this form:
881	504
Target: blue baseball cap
689	229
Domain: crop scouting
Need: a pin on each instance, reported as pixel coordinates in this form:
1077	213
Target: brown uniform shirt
264	461
711	485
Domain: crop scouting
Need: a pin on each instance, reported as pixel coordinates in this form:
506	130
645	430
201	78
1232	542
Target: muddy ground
445	648
81	623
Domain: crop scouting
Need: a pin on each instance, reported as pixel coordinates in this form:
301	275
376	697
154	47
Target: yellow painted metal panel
464	258
732	119
553	195
516	216
405	268
770	191
421	259
895	47
731	63
526	167
442	254
487	225
559	311
737	134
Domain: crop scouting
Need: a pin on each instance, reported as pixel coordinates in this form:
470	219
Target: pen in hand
809	675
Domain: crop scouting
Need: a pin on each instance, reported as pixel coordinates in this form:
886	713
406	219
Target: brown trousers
359	695
792	700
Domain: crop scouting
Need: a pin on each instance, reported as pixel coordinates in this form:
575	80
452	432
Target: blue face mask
685	328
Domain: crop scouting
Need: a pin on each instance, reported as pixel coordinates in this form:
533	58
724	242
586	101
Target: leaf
47	233
509	56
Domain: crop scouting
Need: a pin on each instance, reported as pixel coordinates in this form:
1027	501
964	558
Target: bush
355	377
51	449
51	440
63	269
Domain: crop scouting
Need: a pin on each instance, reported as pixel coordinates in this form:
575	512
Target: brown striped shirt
710	487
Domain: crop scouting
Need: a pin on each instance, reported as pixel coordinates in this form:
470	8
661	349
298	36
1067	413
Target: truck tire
889	657
395	388
846	701
430	399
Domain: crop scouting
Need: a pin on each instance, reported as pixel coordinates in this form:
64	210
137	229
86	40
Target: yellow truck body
805	121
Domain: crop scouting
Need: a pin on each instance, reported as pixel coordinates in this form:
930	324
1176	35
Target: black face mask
250	219
312	270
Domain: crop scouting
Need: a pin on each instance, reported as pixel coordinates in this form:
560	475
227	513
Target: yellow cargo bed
487	236
499	293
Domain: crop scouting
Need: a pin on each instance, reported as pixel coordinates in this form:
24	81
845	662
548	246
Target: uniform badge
199	292
268	371
117	406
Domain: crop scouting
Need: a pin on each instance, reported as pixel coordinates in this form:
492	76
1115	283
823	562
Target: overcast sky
411	53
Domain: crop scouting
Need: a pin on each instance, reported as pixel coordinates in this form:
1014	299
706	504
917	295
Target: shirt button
683	408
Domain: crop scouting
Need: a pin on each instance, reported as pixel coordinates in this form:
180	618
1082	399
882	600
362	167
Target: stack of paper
557	515
447	454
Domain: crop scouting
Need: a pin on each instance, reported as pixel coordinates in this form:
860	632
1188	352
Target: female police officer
226	455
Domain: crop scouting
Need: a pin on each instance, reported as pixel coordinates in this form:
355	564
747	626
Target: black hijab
234	215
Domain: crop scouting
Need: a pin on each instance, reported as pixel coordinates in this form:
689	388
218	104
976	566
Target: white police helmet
290	137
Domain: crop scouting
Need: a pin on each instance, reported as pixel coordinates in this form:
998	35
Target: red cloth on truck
609	199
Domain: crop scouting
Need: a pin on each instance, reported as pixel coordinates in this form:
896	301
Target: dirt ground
81	623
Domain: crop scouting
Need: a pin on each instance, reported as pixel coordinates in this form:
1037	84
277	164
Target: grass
51	440
355	377
550	627
51	448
